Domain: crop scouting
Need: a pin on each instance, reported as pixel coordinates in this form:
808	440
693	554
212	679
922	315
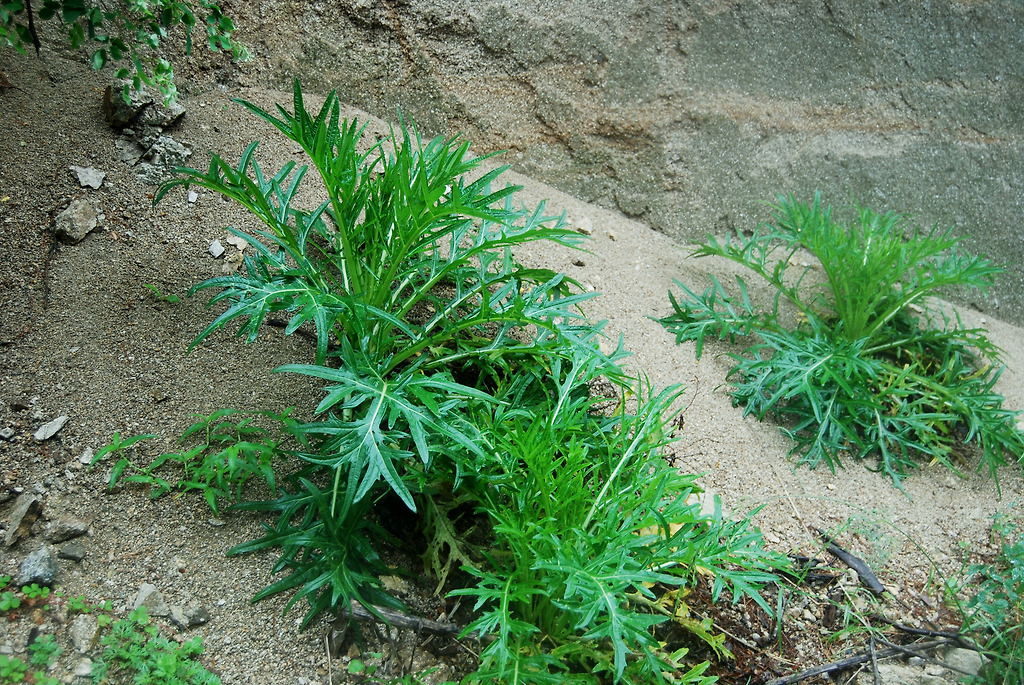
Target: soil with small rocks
82	338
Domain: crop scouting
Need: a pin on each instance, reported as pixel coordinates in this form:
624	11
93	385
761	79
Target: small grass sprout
226	452
169	298
872	364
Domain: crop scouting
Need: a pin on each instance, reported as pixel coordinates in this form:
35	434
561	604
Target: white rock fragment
85	631
237	242
89	177
86	457
192	196
75	222
83	669
50	429
216	249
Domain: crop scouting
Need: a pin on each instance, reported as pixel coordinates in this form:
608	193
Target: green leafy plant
34	591
406	275
9	601
12	669
458	392
995	611
596	541
363	672
852	354
44	651
134	649
126	31
231	447
170	298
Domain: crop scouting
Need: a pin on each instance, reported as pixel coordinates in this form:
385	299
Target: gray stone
72	552
216	249
50	429
89	177
76	222
152	599
964	660
190	616
141	109
162	157
84	631
64	529
39	567
128	150
7	433
24	513
83	669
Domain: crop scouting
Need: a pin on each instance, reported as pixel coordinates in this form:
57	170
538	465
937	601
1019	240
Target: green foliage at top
996	610
873	366
126	31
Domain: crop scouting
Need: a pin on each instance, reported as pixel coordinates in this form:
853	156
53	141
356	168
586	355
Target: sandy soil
81	336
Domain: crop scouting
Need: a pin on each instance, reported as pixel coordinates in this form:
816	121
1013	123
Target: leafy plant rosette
125	31
404	271
874	365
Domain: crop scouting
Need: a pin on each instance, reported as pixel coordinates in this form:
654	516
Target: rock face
691	115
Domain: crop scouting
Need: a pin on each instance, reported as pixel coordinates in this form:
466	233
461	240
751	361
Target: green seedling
34	591
170	298
9	601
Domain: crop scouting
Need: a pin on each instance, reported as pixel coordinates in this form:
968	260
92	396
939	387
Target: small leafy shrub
128	31
996	610
134	649
228	452
405	272
871	366
597	541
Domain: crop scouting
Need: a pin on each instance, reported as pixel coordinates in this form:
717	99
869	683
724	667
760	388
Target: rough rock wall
689	115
